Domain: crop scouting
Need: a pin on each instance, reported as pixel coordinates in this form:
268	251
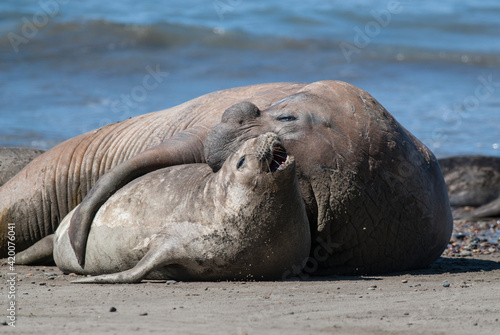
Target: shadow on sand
441	266
458	265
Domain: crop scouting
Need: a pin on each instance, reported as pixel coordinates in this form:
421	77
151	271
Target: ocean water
67	67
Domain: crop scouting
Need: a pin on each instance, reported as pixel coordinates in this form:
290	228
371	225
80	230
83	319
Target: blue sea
68	66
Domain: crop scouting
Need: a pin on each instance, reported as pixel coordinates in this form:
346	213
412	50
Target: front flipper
491	209
160	254
185	148
42	252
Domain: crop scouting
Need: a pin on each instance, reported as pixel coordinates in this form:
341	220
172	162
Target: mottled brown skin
375	196
473	181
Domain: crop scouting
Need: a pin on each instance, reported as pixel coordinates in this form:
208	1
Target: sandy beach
456	295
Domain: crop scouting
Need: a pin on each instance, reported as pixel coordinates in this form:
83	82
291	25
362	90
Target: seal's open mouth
279	160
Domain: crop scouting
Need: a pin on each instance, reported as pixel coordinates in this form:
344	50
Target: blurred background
68	66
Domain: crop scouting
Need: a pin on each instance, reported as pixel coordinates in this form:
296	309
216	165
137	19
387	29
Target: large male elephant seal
473	181
247	221
375	196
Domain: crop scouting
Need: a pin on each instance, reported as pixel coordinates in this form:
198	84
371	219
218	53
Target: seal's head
261	160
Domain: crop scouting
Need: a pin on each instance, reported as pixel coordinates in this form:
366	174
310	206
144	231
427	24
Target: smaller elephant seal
13	160
247	221
473	181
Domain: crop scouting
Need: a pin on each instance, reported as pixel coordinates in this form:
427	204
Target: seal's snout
272	154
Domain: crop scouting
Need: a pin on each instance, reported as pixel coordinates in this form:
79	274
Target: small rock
42	284
171	282
112	309
3	323
143	314
404	281
446	284
373	287
465	253
475	240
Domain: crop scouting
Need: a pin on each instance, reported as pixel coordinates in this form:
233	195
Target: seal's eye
240	162
286	117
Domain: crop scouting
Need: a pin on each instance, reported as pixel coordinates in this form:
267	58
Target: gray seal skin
245	222
473	181
374	194
13	160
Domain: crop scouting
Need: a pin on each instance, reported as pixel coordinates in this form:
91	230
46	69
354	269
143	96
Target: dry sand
416	302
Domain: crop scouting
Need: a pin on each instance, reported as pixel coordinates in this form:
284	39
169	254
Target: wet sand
455	295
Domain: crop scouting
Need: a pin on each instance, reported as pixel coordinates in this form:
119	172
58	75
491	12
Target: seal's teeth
283	164
278	158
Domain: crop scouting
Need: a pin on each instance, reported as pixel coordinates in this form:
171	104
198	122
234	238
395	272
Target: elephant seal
473	181
374	194
247	221
13	160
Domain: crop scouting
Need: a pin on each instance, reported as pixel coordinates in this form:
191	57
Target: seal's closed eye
286	117
240	162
